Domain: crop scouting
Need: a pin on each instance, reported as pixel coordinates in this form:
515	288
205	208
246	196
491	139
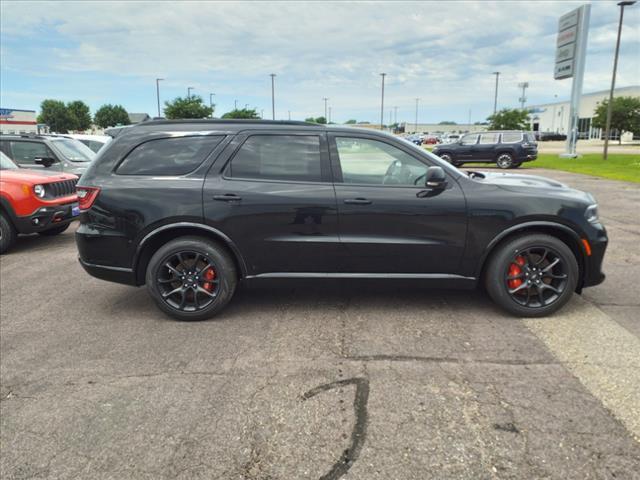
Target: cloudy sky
442	52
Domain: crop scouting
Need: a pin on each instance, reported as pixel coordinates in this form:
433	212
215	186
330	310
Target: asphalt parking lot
354	380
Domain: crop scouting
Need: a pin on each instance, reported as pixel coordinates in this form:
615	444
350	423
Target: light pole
262	113
273	102
158	80
382	103
523	99
325	107
607	131
289	114
495	100
395	114
553	119
416	128
329	118
189	91
235	104
211	103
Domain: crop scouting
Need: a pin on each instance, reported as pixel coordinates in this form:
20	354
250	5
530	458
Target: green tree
625	115
350	122
55	114
111	115
447	122
321	120
509	119
189	107
80	114
246	113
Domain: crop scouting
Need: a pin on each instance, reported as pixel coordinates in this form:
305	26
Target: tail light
86	196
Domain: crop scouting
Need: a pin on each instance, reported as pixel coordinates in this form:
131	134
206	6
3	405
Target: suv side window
371	162
489	138
27	152
278	157
168	156
469	140
513	137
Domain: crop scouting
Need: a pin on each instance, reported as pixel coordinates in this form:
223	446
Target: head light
39	190
591	213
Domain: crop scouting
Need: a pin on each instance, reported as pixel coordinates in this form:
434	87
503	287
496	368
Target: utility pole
382	103
495	100
211	103
158	80
273	101
416	129
235	104
523	99
607	131
189	91
325	108
262	113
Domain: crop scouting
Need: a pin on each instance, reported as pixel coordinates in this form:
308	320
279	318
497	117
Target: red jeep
33	201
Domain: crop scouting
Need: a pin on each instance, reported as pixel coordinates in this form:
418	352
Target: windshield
6	163
73	150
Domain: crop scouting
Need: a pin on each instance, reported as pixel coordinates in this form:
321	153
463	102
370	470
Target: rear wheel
8	234
447	157
532	275
54	231
191	278
504	161
516	165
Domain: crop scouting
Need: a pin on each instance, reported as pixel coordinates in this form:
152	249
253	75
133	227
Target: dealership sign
568	33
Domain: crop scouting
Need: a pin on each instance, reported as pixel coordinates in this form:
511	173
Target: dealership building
554	117
18	121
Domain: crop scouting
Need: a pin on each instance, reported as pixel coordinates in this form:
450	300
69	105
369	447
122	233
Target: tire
516	165
504	160
447	157
188	249
525	302
54	231
8	234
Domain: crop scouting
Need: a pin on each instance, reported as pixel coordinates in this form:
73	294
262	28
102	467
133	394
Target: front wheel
447	157
532	275
54	231
8	234
504	161
191	278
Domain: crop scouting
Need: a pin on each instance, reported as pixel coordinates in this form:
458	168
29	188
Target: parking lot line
604	356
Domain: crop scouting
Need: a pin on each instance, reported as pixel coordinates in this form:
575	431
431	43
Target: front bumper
593	274
47	217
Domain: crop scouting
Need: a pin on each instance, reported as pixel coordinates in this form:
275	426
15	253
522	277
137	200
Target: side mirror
46	162
435	178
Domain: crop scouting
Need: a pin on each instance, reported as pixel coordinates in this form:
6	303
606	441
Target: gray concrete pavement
354	380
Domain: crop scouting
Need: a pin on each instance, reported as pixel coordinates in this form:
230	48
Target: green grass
617	167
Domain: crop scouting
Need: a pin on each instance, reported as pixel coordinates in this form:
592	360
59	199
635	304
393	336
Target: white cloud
442	52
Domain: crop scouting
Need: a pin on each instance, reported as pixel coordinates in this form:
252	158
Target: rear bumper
111	274
47	217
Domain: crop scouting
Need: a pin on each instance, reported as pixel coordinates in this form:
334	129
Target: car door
485	149
274	199
389	221
464	150
25	153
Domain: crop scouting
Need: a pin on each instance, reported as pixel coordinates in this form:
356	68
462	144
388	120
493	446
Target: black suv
190	208
56	153
506	148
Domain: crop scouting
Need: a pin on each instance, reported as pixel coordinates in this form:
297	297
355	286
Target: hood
33	177
545	186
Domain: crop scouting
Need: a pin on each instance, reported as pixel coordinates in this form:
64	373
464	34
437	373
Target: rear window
278	157
168	156
513	137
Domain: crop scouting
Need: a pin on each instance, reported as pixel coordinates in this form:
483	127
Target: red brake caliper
210	274
515	269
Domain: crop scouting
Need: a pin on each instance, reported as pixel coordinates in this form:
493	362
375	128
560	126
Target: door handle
357	201
227	197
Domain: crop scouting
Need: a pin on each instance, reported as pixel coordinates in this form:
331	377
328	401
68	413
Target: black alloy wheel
532	275
191	278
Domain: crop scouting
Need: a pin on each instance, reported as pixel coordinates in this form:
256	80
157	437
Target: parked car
508	149
34	201
191	208
52	152
451	138
430	140
94	142
549	136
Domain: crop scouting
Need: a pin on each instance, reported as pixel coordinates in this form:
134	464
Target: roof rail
232	121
